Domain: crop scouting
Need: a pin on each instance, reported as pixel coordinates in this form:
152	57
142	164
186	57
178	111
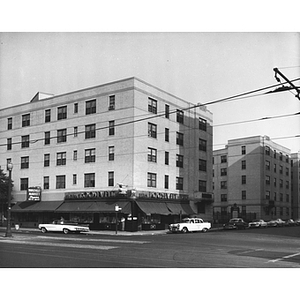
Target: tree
4	181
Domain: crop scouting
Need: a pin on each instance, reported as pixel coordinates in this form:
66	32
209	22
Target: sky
199	67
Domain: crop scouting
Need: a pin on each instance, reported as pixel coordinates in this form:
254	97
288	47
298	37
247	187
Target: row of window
62	112
90	132
89	181
268	196
268	182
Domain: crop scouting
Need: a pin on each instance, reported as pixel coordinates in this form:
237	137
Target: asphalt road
252	248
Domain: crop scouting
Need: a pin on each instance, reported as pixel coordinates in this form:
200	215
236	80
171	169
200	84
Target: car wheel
65	230
184	230
204	229
44	230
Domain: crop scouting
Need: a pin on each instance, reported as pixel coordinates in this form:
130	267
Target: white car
190	224
258	223
63	226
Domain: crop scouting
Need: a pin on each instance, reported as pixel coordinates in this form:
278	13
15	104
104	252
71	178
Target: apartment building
252	179
295	180
124	143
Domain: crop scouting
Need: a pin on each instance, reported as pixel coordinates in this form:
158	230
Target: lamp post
117	208
8	228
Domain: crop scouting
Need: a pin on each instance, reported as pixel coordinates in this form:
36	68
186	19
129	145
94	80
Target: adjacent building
125	144
295	184
252	179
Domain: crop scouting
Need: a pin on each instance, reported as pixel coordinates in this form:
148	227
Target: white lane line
59	245
249	251
94	240
284	257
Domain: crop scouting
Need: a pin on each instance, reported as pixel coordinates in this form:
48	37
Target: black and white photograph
132	152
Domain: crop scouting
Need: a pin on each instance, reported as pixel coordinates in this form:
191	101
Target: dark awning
148	207
180	208
94	206
41	206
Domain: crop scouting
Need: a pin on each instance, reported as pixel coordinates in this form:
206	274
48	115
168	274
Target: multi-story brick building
252	179
295	180
79	148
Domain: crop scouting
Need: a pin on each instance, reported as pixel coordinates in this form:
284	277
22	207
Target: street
251	248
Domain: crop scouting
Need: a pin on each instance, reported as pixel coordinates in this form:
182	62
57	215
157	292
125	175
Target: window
287	158
9	143
179	138
223	171
243	150
275	196
75	108
223	159
166	181
281	183
280	156
9	123
111	104
89	180
111	153
287	171
151	180
47	115
152	155
111	128
202	186
167	111
202	124
24	184
75	131
47	138
202	165
267	150
287	198
26	120
61	158
281	169
179	116
75	155
274	153
25	141
223	197
152	105
46	160
243	165
243	179
268	165
111	179
281	197
223	184
74	179
152	130
61	181
46	183
8	161
90	155
179	161
90	107
179	183
25	162
268	180
287	185
202	145
61	135
268	195
275	168
167	131
62	113
166	158
90	131
275	182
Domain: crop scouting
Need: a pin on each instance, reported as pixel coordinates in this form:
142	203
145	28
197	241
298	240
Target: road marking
59	245
94	240
284	257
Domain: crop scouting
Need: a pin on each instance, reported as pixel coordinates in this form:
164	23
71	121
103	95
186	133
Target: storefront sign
34	193
91	195
160	195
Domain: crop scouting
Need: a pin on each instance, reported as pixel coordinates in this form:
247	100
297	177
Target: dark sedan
235	223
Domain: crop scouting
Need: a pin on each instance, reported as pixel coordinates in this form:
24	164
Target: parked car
276	223
297	222
189	225
290	222
63	226
258	223
235	223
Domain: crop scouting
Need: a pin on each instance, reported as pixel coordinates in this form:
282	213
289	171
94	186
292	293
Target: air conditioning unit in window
111	107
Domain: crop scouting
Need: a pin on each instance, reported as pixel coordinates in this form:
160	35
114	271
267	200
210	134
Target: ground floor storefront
104	214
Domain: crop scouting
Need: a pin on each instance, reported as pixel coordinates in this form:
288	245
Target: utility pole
277	72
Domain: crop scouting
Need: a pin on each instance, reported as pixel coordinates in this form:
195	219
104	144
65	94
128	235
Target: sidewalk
96	232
